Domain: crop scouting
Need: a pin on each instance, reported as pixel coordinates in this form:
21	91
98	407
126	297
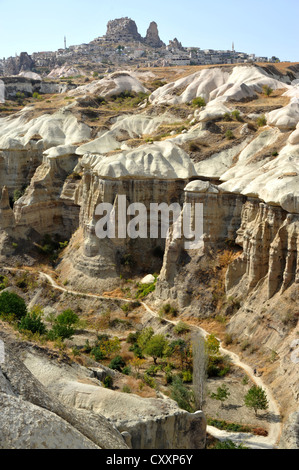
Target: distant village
123	45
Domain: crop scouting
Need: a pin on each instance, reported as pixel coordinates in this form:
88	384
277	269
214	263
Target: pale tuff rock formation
23	141
114	84
123	128
152	36
274	181
31	75
221	219
65	71
223	84
153	423
33	418
285	118
161	160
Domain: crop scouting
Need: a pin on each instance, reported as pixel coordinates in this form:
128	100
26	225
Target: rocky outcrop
152	36
14	65
290	435
122	29
33	418
152	423
44	207
114	84
175	44
240	83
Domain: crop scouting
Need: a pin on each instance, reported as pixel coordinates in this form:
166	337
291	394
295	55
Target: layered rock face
152	180
28	86
269	238
221	217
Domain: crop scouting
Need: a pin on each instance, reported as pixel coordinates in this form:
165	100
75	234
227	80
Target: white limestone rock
148	279
161	160
242	83
113	84
285	118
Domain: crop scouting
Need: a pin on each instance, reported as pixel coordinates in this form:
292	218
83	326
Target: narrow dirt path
250	440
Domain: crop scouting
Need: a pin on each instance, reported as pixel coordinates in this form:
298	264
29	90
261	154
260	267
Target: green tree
156	347
222	394
63	325
182	395
32	322
256	398
12	304
67	318
144	337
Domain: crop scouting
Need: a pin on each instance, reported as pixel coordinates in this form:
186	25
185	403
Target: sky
262	27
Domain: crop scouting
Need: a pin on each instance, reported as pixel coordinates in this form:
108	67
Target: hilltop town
123	45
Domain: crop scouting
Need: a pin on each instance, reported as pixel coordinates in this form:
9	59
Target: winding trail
250	440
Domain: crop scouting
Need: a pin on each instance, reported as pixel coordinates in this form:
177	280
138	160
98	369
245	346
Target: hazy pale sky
262	27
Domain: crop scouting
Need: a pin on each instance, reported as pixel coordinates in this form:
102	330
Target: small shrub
229	134
63	325
3	282
117	363
187	376
127	370
228	339
126	389
228	444
108	381
267	90
150	381
227	117
198	102
181	328
236	115
261	121
145	289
